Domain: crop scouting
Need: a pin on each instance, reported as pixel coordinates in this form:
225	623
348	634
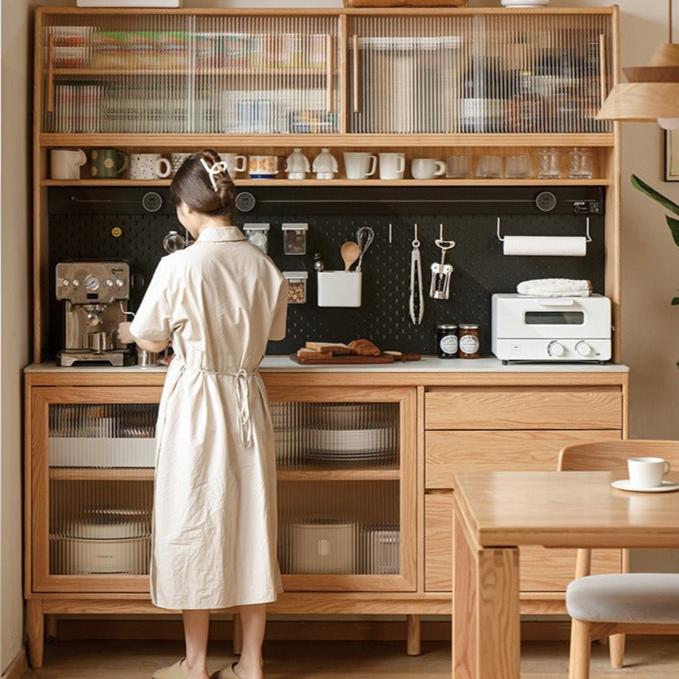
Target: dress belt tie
242	392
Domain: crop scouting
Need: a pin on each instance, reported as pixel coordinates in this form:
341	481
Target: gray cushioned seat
627	597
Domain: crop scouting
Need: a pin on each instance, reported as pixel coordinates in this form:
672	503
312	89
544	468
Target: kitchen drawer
451	452
524	408
542	570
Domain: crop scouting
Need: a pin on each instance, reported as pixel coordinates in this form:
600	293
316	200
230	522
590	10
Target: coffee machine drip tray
68	359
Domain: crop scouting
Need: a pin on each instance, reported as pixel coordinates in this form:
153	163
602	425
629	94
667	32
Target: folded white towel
555	287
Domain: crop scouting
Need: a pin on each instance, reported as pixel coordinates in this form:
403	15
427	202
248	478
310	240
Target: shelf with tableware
454	166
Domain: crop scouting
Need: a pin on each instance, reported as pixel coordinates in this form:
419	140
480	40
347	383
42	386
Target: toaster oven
551	329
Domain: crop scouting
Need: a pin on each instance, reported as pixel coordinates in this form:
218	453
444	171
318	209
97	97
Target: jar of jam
446	341
470	340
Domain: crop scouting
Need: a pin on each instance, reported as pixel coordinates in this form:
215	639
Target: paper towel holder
500	237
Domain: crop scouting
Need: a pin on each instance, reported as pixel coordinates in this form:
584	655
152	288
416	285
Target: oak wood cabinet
364	483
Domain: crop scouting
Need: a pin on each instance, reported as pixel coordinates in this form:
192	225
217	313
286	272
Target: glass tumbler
581	162
459	166
489	167
517	166
549	163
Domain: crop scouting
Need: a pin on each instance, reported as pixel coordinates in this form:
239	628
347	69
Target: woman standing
214	512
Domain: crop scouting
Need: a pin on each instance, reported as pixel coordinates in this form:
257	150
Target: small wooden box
405	3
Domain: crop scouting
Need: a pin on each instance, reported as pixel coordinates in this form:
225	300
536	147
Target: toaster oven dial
584	349
556	349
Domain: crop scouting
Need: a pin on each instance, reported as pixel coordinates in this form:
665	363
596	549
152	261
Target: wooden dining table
497	513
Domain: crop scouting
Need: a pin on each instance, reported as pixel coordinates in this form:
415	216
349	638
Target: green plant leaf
675	301
655	195
674	228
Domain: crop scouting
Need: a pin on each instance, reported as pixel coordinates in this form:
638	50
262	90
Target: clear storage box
297	281
258	235
294	238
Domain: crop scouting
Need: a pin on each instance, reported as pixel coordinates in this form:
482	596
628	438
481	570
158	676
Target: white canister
234	163
149	166
66	163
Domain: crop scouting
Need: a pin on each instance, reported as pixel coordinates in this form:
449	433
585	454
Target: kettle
297	164
325	165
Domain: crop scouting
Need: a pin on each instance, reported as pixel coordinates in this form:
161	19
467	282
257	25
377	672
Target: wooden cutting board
342	360
405	3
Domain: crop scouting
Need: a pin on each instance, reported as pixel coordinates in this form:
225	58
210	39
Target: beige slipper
227	673
174	672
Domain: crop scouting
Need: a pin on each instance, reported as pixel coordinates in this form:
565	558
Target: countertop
427	364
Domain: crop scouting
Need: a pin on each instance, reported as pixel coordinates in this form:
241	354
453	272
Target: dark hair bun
193	184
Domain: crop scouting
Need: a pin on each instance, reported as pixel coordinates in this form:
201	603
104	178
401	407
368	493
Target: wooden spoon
350	252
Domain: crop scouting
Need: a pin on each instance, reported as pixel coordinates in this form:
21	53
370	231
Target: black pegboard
80	229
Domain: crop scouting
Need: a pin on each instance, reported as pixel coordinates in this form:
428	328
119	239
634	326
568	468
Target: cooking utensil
441	273
416	300
350	252
364	237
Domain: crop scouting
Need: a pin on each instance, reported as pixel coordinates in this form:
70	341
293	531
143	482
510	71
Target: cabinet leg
35	629
237	635
51	627
414	645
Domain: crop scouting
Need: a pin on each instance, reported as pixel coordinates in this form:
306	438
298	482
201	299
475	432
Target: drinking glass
518	166
489	167
549	163
459	166
581	163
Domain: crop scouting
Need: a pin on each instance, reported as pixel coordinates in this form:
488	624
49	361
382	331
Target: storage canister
294	238
258	235
297	281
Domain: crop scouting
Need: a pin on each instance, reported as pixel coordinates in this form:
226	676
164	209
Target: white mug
149	166
234	163
427	168
360	165
66	163
647	472
263	167
392	165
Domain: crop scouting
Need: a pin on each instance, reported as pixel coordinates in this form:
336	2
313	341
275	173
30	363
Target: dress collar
220	234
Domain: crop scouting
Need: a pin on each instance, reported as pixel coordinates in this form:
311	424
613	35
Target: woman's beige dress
214	510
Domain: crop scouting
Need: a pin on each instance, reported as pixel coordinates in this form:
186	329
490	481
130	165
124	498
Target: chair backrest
611	456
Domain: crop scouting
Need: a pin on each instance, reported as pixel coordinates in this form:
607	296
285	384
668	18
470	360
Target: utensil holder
339	288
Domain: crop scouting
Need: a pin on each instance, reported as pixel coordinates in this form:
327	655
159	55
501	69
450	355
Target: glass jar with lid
446	340
469	340
258	235
297	282
294	238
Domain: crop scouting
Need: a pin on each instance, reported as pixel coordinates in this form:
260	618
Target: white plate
626	484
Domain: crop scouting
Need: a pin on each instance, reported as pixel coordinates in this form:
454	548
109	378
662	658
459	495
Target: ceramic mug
647	472
149	166
234	163
360	165
392	165
107	163
177	160
66	163
427	168
263	167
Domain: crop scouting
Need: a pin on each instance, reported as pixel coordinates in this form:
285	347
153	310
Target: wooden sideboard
443	422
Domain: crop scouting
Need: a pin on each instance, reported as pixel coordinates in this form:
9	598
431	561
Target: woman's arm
126	337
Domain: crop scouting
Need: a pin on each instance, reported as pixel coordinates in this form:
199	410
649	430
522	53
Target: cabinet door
447	74
183	73
91	470
346	490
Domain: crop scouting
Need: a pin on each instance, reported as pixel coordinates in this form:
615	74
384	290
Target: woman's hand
124	334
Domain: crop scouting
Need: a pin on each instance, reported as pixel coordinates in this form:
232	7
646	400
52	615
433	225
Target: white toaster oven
551	329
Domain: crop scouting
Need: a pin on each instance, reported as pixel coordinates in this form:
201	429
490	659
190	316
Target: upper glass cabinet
179	73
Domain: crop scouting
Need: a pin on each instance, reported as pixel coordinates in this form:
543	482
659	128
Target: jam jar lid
447	326
469	326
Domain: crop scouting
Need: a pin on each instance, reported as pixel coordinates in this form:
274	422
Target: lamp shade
641	102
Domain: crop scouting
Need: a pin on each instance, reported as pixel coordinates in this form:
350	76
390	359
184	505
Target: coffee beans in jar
446	340
297	281
469	340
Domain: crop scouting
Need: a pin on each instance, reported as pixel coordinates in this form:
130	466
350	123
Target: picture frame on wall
672	156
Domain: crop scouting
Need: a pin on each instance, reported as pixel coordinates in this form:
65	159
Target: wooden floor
647	659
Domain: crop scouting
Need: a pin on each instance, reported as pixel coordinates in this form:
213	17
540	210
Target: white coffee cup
647	472
359	165
149	166
234	163
392	165
427	168
66	163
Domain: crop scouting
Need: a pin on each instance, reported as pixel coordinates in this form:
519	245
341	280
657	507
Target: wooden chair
639	603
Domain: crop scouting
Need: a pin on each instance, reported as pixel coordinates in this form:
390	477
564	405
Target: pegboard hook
499	230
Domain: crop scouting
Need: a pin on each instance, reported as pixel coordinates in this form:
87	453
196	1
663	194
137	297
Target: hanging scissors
416	302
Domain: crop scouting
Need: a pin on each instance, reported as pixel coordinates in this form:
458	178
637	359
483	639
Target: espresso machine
95	296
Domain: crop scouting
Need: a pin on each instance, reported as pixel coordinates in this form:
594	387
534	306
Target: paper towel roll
554	246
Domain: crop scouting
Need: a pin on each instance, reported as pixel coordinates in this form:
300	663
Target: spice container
446	341
258	235
469	340
296	286
294	238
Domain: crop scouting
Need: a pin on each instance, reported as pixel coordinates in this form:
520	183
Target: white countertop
427	364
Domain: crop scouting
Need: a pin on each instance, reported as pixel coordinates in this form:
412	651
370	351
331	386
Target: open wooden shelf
233	141
101	473
343	182
87	72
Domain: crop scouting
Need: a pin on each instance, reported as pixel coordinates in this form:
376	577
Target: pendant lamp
652	93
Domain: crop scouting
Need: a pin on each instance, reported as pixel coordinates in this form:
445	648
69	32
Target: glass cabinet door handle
329	74
357	97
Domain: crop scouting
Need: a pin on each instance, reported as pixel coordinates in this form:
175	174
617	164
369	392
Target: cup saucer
626	484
